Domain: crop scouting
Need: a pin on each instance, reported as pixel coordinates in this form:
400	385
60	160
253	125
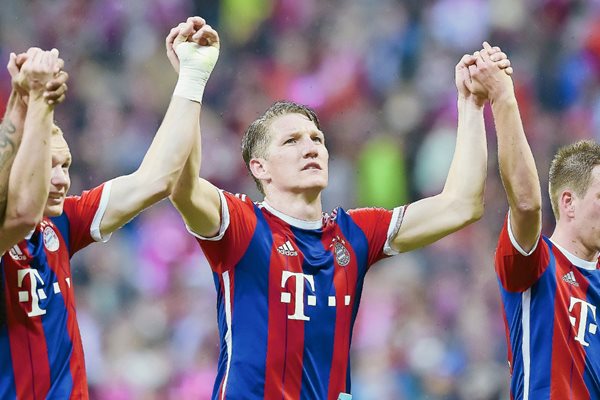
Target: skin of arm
461	201
515	159
11	133
196	199
171	147
29	178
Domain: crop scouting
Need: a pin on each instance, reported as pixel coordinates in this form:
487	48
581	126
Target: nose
60	177
310	149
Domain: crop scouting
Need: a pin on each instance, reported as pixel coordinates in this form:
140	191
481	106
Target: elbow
476	213
165	188
469	210
527	206
156	188
21	224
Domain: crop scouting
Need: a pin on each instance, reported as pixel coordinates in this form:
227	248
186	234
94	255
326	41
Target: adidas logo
569	277
286	249
16	253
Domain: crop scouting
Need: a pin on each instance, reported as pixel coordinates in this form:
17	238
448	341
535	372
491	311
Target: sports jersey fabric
288	293
41	355
549	299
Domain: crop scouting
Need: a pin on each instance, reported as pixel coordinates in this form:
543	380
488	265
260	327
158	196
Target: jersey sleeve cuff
224	221
395	223
516	245
95	227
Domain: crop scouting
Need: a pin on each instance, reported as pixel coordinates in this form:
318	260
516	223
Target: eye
290	140
318	139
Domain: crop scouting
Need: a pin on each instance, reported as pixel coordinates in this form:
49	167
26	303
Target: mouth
310	166
55	196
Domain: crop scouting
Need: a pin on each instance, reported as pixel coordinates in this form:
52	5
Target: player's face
587	214
297	159
59	177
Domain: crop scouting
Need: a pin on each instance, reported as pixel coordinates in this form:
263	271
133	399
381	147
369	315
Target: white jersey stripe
95	226
228	338
525	321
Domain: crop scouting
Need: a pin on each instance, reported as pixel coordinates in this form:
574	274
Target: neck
573	243
303	206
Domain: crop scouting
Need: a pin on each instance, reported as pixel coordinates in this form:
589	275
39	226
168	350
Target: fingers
197	22
487	47
206	36
60	64
503	64
185	30
12	67
466	60
55	96
171	38
21	58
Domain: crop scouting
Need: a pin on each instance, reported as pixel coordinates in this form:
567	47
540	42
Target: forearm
11	133
184	186
160	169
29	180
515	159
172	145
466	177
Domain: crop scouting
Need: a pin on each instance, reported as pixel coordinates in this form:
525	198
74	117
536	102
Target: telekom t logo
311	299
583	319
35	293
286	297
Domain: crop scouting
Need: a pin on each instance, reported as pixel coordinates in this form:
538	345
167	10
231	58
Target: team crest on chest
342	255
50	239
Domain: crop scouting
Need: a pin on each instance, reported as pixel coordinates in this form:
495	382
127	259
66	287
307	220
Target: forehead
292	123
59	147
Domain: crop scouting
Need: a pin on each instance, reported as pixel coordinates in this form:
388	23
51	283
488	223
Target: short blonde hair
572	168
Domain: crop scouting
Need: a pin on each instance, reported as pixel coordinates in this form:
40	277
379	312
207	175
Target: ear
566	204
258	167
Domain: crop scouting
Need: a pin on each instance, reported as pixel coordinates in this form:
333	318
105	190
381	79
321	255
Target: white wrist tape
196	64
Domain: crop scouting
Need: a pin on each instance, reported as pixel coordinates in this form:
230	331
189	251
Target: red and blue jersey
41	355
550	299
287	296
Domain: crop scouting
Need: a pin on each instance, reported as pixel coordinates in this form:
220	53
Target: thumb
12	68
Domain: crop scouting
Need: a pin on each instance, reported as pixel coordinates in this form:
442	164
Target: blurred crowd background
380	74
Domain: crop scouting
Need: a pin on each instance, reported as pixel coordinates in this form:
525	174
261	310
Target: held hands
40	71
488	61
488	77
193	50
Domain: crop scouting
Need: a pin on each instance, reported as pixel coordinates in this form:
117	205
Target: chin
53	210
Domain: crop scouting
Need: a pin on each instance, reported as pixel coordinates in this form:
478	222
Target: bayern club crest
342	255
50	239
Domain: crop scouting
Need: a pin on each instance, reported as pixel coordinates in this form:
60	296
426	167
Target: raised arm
461	200
517	165
162	165
29	177
196	199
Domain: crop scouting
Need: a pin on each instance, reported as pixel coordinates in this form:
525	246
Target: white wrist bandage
196	64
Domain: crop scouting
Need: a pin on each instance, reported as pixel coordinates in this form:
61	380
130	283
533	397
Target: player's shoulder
239	198
366	212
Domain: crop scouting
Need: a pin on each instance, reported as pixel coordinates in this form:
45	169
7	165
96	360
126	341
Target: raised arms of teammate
162	165
196	199
517	165
25	170
461	201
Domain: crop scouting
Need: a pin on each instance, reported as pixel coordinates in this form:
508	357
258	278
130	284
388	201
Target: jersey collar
298	223
578	262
